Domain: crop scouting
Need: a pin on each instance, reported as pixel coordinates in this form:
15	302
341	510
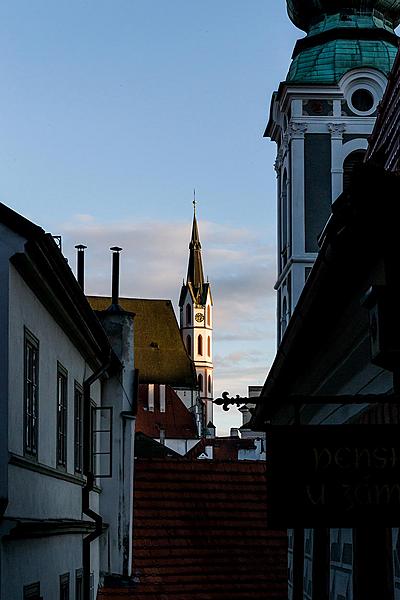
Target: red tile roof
201	533
176	420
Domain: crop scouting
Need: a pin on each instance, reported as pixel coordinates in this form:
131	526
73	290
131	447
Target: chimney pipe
80	265
115	275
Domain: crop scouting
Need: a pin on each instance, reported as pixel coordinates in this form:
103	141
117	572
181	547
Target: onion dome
304	13
342	35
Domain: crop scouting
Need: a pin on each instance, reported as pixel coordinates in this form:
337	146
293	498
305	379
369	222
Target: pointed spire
195	274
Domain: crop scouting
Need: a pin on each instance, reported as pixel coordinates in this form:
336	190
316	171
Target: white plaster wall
54	345
28	561
179	446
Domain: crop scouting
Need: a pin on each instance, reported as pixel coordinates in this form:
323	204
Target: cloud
241	269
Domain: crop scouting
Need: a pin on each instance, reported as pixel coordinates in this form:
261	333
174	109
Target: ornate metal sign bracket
227	402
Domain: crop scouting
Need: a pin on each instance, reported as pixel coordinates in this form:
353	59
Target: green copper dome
338	42
328	62
304	12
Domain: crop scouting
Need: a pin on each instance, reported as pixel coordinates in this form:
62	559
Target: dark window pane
31	394
62	399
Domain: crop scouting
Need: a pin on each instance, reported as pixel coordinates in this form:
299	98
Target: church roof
160	354
195	274
305	12
327	63
201	532
336	43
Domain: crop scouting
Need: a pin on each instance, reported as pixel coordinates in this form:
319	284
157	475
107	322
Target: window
209	346
79	584
32	591
350	163
31	394
362	100
188	314
62	399
78	439
200	382
209	384
64	586
208	315
189	345
200	345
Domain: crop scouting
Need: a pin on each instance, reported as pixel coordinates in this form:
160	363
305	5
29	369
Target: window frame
32	591
62	417
31	404
200	345
79	584
64	586
78	428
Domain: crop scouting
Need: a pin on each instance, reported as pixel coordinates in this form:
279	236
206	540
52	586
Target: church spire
195	274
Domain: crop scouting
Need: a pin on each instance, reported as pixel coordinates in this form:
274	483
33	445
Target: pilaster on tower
320	118
196	324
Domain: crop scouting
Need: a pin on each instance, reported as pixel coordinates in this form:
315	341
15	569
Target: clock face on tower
199	317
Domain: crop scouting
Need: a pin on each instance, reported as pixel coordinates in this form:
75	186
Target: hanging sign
333	476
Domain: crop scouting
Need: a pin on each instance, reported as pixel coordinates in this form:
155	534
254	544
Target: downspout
88	472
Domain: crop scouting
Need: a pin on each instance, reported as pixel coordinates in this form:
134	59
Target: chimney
80	265
115	275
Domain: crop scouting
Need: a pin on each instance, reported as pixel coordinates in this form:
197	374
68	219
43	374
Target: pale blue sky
111	111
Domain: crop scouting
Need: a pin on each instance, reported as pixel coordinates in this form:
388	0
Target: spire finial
194	200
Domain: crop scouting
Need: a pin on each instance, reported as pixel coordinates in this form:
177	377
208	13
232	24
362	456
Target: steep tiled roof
160	354
176	421
201	533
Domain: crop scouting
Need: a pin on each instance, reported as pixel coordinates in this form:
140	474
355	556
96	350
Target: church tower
320	118
196	323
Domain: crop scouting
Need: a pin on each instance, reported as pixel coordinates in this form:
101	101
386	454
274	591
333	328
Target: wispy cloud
240	266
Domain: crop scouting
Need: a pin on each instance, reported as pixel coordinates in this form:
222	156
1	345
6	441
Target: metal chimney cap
80	247
116	249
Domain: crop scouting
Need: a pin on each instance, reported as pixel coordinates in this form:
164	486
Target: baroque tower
196	323
320	118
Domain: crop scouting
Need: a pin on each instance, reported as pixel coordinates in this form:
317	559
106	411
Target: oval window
362	100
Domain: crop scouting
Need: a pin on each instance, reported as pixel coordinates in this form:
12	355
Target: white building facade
59	415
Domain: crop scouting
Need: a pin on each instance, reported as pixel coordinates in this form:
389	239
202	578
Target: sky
113	111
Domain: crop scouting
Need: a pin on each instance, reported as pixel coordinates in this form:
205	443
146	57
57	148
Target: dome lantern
304	13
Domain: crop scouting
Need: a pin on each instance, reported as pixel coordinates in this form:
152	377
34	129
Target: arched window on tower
208	315
200	345
350	163
200	382
189	345
209	384
209	346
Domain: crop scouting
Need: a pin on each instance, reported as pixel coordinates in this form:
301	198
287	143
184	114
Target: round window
362	100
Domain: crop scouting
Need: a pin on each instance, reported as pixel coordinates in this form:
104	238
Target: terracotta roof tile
201	533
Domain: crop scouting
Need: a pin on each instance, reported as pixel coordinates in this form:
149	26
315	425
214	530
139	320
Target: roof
195	268
335	45
44	269
176	421
326	63
224	448
201	533
146	447
160	354
305	12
